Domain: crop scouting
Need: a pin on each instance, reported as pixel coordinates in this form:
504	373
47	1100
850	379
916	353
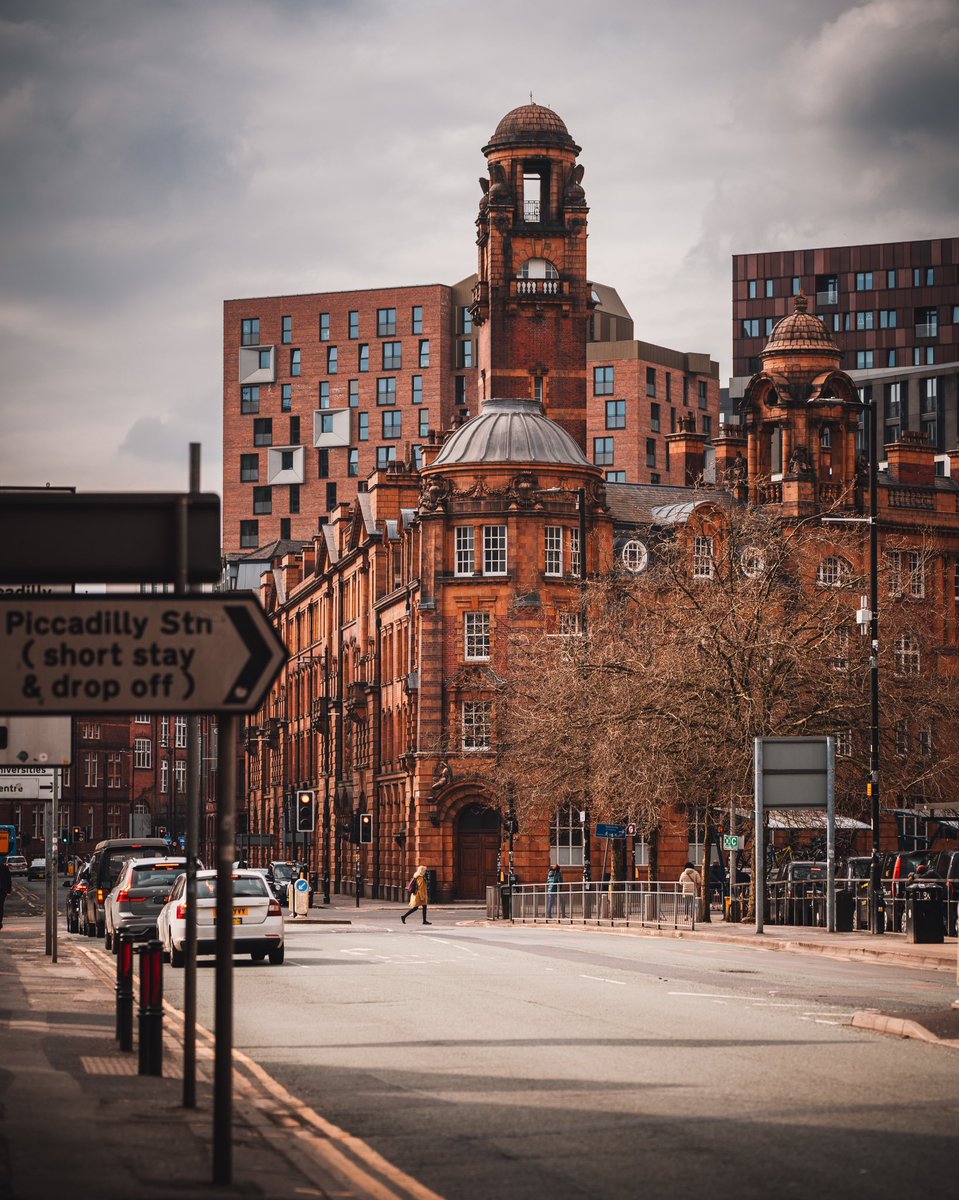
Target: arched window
833	572
538	268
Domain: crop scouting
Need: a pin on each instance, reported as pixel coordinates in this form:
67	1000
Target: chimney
687	451
912	460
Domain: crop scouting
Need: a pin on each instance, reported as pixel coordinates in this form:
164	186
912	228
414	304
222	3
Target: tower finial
802	304
531	95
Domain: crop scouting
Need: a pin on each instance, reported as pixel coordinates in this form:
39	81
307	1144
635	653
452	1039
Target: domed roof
531	124
511	431
800	332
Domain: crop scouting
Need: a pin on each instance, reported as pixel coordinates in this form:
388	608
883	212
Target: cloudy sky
160	156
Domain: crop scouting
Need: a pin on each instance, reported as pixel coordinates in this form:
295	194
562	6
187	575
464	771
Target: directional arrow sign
127	654
26	783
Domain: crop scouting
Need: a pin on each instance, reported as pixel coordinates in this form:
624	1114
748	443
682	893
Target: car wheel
176	956
276	956
258	955
101	930
91	930
108	940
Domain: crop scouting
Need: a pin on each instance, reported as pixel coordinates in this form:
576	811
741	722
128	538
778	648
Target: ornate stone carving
574	185
434	493
522	491
799	461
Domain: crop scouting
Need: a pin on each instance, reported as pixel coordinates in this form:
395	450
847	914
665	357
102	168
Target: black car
946	866
105	867
279	876
896	870
797	893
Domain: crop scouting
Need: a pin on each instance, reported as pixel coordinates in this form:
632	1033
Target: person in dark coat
6	887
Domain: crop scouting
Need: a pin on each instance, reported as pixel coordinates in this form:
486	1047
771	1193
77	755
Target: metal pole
48	876
875	881
223	1004
192	830
587	823
759	871
830	835
54	854
733	861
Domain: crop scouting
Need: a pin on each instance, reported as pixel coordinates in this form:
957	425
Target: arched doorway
477	845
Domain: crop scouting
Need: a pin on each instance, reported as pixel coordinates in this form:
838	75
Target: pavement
65	1084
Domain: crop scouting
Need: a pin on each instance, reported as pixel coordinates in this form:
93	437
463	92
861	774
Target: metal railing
622	902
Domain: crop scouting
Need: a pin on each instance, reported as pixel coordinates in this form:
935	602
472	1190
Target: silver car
141	891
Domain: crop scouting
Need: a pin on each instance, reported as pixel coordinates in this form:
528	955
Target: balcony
927	329
539	287
824	299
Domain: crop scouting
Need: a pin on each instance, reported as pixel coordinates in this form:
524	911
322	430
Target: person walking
689	881
553	879
6	887
419	894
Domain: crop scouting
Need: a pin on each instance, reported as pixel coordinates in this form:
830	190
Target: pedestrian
6	886
689	881
553	879
419	895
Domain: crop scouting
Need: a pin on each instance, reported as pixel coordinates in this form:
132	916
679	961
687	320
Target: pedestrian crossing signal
305	812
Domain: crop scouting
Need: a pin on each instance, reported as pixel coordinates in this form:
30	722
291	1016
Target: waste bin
432	886
505	898
733	909
845	912
925	913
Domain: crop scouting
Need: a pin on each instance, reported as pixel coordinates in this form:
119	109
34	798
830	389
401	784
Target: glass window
354	389
703	393
770	325
392	356
752	289
655	419
616	476
797	285
354	325
865	320
707	425
425	353
650	381
575	565
179	731
893	360
770	291
616	414
890	279
332	360
477	724
603	451
262	501
566	847
386	391
650	452
494	549
263	431
353	463
751	327
322	463
907	656
363	426
286	529
603	378
286	335
286	397
416	389
833	572
554	549
703	563
476	636
465	353
250	331
249	468
385	455
888	318
294	497
424	426
265	360
416	321
864	281
326	424
249	400
393	424
324	393
466	320
363	357
465	550
865	359
324	327
386	322
294	362
142	752
923	275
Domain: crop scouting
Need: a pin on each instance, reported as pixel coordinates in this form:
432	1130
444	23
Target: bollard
125	991
151	1009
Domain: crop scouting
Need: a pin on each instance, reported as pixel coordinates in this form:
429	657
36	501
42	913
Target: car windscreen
809	871
115	859
282	873
244	885
156	875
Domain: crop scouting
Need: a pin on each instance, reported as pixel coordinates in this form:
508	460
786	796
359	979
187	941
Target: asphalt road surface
515	1063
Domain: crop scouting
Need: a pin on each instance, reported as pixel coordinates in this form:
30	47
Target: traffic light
78	833
305	812
366	828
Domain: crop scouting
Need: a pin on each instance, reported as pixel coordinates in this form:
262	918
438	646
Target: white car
134	903
257	918
17	864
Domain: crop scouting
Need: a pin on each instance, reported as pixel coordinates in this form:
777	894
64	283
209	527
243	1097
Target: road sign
26	783
35	741
128	654
610	831
732	841
302	885
107	537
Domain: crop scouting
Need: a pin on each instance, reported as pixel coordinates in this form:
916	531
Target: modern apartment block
894	309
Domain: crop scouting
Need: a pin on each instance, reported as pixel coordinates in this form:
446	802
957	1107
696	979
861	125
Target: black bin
504	892
845	912
432	884
925	913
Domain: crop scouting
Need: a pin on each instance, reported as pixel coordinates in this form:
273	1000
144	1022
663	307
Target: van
106	864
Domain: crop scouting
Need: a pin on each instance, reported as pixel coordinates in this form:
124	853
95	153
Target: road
492	1061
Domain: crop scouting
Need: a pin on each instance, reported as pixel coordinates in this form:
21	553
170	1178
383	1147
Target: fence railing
622	902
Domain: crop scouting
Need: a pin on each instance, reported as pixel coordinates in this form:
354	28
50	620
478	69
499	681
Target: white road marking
602	979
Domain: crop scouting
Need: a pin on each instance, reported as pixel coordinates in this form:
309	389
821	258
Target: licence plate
237	912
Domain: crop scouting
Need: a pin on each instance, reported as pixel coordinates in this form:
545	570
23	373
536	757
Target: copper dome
531	124
800	332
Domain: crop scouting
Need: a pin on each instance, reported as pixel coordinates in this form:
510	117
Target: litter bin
505	897
845	912
733	909
925	913
432	886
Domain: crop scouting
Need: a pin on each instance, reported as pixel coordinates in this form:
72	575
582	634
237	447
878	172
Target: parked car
75	898
37	868
257	918
896	870
134	903
797	893
17	864
106	864
947	867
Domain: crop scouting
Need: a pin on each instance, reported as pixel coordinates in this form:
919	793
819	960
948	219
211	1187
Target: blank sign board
795	772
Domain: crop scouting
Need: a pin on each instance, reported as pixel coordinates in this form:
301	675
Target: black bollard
151	1009
125	991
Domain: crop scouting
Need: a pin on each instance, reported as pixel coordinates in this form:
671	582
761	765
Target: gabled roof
655	504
